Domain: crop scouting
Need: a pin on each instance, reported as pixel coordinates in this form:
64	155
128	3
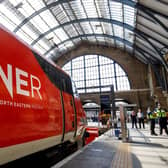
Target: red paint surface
93	133
69	113
43	118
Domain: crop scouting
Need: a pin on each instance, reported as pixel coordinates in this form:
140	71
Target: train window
75	92
68	85
57	77
64	85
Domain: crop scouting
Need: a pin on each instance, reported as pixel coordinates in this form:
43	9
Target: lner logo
7	79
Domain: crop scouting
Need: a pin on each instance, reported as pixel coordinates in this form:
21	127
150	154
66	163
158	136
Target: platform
149	151
143	151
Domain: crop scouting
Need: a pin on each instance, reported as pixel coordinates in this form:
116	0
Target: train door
68	110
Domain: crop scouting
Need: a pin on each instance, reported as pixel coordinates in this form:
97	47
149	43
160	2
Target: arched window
95	73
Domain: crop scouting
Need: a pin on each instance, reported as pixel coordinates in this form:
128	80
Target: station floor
143	151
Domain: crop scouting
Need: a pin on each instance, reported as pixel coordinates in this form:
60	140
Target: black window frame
60	79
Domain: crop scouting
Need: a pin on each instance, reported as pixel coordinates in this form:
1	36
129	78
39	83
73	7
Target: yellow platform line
122	158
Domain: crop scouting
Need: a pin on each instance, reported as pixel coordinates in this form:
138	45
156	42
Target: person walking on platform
134	119
140	118
152	115
161	113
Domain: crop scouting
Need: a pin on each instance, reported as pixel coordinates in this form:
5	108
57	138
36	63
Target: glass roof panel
35	4
56	10
129	15
26	29
24	36
108	28
49	18
78	9
103	8
56	40
69	12
14	2
118	31
90	7
119	44
97	27
4	20
9	14
62	35
91	38
78	28
52	37
26	9
39	24
116	10
86	27
70	29
129	35
60	14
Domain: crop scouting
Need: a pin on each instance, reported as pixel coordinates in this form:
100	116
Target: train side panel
81	119
26	96
31	114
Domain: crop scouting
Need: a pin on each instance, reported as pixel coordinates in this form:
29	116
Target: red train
39	105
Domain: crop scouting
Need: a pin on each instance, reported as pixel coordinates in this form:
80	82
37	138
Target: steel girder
125	2
150	12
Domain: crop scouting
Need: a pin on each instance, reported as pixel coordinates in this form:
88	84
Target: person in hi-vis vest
161	114
152	115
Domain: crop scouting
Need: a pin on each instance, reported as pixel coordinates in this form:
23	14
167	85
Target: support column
150	80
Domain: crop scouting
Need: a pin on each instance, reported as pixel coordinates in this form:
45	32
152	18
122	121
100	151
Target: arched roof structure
54	27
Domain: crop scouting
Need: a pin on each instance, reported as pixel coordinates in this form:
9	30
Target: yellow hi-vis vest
161	113
153	115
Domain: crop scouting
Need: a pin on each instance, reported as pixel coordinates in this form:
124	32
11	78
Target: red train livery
39	106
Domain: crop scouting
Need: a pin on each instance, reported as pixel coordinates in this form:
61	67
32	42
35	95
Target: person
161	113
133	119
108	123
140	118
152	115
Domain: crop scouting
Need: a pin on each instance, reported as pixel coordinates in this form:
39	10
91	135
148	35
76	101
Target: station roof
54	27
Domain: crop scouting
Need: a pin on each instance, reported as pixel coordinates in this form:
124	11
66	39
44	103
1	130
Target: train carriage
39	106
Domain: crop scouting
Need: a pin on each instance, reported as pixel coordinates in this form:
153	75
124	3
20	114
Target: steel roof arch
98	35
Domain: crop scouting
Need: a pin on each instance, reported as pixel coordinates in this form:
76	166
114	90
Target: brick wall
136	70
